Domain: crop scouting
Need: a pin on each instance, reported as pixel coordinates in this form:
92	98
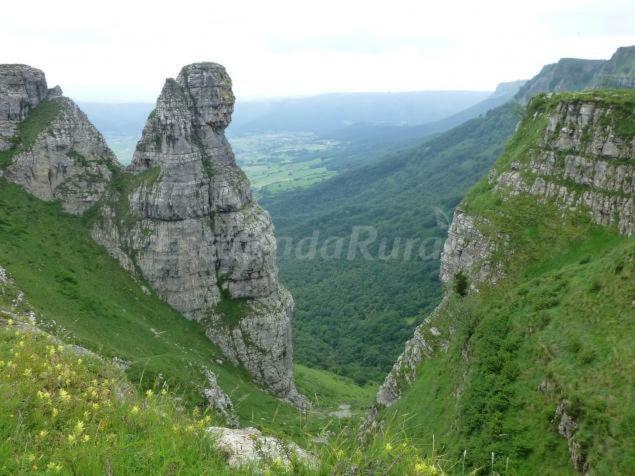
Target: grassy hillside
557	331
86	297
66	414
352	316
61	414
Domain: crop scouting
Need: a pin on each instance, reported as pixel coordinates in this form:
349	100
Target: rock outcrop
581	163
219	400
248	447
58	154
572	74
187	222
467	250
22	88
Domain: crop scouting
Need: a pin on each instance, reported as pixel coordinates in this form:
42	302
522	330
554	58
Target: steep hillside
527	363
68	410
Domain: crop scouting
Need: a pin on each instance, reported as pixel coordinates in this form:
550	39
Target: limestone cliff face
582	163
61	156
188	223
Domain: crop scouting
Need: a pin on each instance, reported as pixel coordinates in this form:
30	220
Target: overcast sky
122	51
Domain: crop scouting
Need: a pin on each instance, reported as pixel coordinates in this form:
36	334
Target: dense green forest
353	315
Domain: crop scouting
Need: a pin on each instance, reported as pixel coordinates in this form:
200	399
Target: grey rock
22	88
469	251
248	447
567	428
582	164
55	92
68	161
191	228
219	400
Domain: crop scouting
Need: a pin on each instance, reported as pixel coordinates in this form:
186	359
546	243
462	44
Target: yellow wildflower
86	438
164	392
425	469
54	412
71	439
27	372
388	447
134	410
31	457
149	393
64	395
54	467
79	427
43	434
10	322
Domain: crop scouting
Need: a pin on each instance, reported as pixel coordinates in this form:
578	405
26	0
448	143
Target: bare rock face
469	251
188	223
68	160
50	147
582	163
22	88
219	400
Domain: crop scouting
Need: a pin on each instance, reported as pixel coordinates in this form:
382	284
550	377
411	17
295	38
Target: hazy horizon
123	52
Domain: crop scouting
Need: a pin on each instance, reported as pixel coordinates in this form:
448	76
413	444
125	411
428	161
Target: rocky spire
193	230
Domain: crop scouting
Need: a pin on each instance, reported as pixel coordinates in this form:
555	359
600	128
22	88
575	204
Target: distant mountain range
365	119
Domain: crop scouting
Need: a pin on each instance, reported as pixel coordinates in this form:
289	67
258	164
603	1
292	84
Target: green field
276	162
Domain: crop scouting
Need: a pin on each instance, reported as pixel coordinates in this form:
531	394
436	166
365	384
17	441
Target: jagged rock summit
187	222
48	145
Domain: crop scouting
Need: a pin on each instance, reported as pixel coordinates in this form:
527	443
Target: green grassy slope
64	414
352	316
558	329
81	292
61	414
